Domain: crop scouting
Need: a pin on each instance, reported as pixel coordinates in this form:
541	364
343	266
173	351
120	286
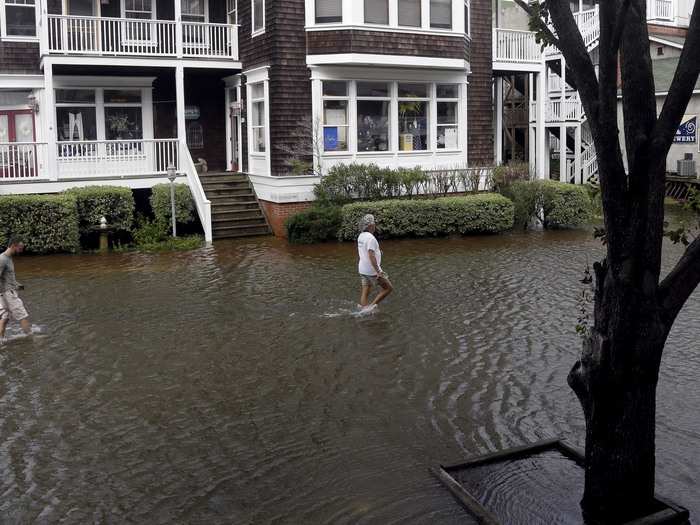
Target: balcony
127	37
516	50
660	10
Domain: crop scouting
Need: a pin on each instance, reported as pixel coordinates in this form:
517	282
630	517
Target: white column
317	122
563	176
180	103
541	155
577	158
498	143
178	28
50	110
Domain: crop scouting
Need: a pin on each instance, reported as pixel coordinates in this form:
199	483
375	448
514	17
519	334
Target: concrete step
240	231
235	214
223	186
216	175
229	192
224	222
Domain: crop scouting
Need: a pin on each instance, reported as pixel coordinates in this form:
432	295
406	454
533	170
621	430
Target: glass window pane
328	11
413	90
409	13
447	91
335	112
447	137
372	89
24	127
441	14
122	96
257	91
123	123
413	126
335	88
259	140
335	138
258	114
447	112
20	20
259	15
372	125
14	98
76	123
377	11
75	96
4	128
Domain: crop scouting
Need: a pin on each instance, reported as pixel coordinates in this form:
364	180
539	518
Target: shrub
150	232
486	213
114	203
562	205
184	204
318	224
527	200
504	176
46	223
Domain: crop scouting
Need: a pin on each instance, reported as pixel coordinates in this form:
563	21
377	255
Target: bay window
413	116
373	102
258	123
329	11
258	16
377	12
19	18
410	13
447	116
335	116
441	14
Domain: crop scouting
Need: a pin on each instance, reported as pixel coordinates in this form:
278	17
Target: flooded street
232	385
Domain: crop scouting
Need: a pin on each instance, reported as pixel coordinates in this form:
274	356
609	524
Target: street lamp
172	174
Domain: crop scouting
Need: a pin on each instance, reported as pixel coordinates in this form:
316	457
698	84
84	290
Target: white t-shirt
366	242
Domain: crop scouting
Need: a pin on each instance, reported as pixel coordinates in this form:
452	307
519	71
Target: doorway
17	147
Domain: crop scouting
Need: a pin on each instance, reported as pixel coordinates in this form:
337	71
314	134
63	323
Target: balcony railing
89	35
22	160
660	9
515	46
570	109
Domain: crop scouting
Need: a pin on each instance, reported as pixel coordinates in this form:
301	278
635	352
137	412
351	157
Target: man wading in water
370	265
10	303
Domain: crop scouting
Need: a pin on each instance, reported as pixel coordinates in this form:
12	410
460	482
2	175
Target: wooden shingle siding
480	91
386	43
20	58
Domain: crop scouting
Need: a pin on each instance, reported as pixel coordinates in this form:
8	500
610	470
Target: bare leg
364	296
387	288
26	325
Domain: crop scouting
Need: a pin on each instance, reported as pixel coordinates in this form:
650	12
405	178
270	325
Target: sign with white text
687	131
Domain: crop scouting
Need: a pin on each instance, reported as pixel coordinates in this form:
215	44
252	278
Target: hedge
318	224
45	223
472	214
114	203
184	204
563	205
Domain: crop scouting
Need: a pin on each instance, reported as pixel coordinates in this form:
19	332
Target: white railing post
178	29
50	110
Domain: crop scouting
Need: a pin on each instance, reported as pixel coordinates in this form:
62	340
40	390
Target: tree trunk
615	380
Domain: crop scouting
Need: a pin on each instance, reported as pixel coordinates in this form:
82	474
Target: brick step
240	231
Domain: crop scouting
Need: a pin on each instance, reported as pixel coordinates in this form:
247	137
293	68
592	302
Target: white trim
256	32
140	62
350	72
30	39
668	43
387	60
21	81
258	74
19	38
384	29
281	189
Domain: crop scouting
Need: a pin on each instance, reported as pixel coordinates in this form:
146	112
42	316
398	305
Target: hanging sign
330	139
687	131
191	112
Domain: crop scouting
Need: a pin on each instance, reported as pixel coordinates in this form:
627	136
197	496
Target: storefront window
257	98
20	18
377	12
448	116
413	117
373	104
409	13
335	116
441	14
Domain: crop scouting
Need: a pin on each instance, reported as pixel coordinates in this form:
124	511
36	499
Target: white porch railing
97	159
589	163
568	109
201	202
22	160
660	9
89	35
515	46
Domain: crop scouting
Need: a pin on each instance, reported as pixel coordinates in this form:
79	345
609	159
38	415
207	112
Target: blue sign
330	139
687	131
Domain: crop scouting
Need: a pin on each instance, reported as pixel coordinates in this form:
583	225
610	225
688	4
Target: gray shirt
8	281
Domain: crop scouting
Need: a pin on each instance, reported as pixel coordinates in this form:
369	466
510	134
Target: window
659	51
258	16
76	117
232	11
413	117
373	102
441	14
257	99
335	116
468	17
193	11
377	12
447	116
329	11
19	18
139	10
409	13
122	110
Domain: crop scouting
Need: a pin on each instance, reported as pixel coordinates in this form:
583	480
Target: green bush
318	224
114	203
184	204
46	223
504	176
562	205
527	197
485	213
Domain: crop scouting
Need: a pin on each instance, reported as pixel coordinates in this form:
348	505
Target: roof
664	69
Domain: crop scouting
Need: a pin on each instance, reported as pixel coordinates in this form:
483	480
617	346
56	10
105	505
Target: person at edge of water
370	264
11	306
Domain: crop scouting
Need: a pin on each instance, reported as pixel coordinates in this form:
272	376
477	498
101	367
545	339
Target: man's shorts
11	306
371	280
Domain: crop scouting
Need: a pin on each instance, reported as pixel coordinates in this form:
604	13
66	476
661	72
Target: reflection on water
219	386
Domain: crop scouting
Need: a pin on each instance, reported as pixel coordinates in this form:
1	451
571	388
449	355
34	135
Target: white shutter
329	11
441	14
377	11
409	13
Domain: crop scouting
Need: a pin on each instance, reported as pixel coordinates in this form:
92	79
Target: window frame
378	24
450	100
336	19
152	29
3	21
420	15
255	32
233	11
106	105
427	100
253	101
441	27
390	98
345	98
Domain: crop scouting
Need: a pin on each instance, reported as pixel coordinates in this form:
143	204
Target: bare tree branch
678	285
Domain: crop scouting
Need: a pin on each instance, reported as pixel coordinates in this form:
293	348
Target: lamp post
172	174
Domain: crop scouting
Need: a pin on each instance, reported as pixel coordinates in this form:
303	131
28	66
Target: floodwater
233	384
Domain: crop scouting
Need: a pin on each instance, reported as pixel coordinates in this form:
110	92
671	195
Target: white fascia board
362	59
258	74
284	189
387	74
21	81
33	187
528	67
385	29
102	81
660	40
140	62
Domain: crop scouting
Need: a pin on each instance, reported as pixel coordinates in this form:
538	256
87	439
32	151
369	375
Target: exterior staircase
235	211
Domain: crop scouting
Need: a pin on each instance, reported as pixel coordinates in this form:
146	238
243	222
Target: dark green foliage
114	203
46	223
318	224
504	176
184	204
472	214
